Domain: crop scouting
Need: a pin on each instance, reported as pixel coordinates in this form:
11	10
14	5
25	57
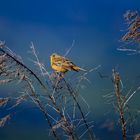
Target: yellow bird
62	64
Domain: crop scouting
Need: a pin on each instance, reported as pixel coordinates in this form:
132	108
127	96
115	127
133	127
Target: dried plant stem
40	105
24	66
70	133
116	80
72	93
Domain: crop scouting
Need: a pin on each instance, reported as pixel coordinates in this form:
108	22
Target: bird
62	64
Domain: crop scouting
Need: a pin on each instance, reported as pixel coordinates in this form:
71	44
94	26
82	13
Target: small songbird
62	64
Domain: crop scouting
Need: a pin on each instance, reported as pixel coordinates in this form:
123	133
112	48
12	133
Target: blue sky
53	25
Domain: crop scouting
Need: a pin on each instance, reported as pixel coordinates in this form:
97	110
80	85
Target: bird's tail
76	68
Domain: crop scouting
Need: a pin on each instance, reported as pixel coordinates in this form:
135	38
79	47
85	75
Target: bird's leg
54	75
60	76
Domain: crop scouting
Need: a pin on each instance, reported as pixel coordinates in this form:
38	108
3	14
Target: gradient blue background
53	25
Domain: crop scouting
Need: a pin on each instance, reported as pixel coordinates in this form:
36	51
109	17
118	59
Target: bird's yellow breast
58	68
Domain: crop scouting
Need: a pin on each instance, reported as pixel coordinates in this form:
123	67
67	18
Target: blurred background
95	27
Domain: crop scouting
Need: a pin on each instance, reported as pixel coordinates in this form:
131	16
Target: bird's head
53	55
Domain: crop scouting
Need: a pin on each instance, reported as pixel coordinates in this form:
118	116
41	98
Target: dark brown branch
72	93
116	80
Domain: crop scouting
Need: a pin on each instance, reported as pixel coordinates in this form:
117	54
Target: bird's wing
64	62
69	65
